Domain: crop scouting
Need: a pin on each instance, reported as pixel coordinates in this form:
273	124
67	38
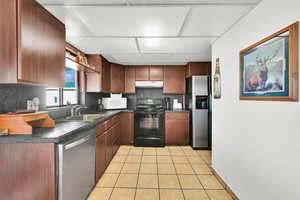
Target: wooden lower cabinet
177	128
27	171
100	155
108	149
107	143
127	128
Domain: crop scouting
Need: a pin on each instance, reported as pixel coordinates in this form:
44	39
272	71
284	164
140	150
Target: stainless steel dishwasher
76	166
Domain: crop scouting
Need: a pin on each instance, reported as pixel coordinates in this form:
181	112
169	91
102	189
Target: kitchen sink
85	117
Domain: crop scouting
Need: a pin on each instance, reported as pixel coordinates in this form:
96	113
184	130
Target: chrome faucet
77	110
73	110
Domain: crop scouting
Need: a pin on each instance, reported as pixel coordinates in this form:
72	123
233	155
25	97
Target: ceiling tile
213	20
104	45
131	21
158	59
81	2
174	45
74	27
193	1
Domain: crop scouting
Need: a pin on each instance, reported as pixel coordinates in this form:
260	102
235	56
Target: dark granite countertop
63	131
178	110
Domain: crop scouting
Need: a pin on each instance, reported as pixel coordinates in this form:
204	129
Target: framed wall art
269	68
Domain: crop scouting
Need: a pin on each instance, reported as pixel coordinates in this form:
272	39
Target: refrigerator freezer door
200	117
200	129
200	86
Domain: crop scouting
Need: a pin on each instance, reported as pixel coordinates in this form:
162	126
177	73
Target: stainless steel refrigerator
198	101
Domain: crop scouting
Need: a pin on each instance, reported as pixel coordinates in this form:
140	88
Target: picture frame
269	68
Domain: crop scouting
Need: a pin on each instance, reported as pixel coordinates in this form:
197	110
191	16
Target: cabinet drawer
104	126
177	116
116	119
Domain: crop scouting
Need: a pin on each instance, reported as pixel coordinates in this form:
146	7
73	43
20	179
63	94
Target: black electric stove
149	126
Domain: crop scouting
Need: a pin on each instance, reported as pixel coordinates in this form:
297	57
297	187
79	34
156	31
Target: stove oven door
149	129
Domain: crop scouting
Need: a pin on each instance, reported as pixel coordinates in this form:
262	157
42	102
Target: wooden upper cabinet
35	43
142	73
129	80
94	61
156	73
198	68
105	75
174	80
117	78
93	82
98	81
8	35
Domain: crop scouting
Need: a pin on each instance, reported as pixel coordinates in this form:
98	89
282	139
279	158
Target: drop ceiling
137	32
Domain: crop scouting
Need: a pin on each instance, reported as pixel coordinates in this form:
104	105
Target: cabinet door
177	132
156	73
108	142
129	80
127	128
117	78
94	61
93	82
142	73
174	80
28	171
29	38
105	76
8	35
198	68
42	46
116	134
100	156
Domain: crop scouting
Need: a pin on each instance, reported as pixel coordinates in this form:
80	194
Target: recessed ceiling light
152	30
152	42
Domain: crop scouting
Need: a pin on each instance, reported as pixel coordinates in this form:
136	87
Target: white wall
256	145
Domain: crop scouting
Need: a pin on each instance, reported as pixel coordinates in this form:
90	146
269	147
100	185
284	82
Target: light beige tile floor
169	173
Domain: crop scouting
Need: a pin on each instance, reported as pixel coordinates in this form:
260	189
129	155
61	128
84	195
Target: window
67	95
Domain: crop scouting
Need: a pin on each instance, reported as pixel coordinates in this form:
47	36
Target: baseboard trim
227	188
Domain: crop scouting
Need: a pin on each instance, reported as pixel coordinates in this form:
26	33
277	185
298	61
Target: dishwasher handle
76	143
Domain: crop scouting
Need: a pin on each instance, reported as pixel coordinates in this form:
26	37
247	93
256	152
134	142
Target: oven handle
76	143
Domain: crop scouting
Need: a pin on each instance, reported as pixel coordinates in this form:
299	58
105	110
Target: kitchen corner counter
64	130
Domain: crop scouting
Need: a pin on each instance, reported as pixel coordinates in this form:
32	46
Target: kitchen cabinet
98	81
142	73
127	127
28	171
174	80
117	78
177	128
107	143
198	68
129	80
109	148
105	77
149	73
33	43
156	73
100	153
94	61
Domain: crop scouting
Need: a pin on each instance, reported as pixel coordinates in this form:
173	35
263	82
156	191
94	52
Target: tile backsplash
14	97
151	93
